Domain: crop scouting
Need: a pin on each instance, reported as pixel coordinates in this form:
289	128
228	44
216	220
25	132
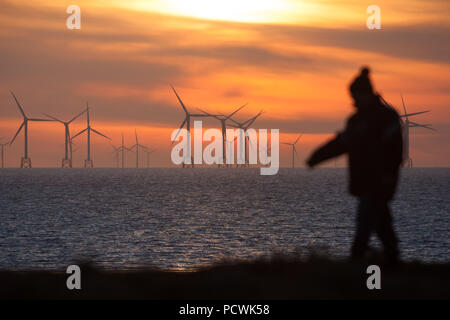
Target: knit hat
361	84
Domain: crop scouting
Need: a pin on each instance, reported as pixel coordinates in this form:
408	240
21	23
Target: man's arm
332	149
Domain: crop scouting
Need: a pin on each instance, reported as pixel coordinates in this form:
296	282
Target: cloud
420	42
115	52
256	56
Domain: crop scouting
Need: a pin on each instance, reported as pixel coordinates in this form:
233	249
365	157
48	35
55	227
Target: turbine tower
122	149
116	152
244	126
71	150
25	162
230	145
88	162
137	146
187	121
67	160
293	149
223	119
406	124
2	146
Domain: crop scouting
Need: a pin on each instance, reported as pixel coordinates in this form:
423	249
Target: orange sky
293	59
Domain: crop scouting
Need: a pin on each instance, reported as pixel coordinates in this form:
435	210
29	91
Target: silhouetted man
373	141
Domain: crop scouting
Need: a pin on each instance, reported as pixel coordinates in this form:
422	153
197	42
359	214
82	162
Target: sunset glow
231	10
292	59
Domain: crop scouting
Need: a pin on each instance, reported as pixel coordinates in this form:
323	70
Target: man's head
361	89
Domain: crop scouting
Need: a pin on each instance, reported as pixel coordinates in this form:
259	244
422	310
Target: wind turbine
25	161
223	119
67	161
116	151
71	151
137	146
410	124
244	126
2	145
122	149
88	162
230	145
293	149
187	121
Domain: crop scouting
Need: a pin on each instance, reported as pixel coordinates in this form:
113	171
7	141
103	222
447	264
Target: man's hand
312	161
333	148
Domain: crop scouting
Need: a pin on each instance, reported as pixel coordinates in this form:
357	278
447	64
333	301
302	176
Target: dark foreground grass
274	278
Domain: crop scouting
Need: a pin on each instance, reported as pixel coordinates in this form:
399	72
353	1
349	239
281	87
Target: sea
183	219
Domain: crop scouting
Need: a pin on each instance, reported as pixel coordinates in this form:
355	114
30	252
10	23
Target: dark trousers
374	216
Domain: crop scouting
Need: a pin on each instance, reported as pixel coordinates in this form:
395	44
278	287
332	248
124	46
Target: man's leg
385	232
364	226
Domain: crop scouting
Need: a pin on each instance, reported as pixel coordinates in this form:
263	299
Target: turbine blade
20	128
76	117
101	134
252	120
87	113
18	104
244	124
204	111
413	114
182	125
179	99
427	126
297	139
37	119
206	114
82	131
54	118
404	107
237	124
420	126
235	111
257	116
202	115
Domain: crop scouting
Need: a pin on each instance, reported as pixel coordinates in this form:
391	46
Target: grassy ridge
274	278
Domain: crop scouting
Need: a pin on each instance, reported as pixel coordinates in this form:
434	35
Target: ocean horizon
184	219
